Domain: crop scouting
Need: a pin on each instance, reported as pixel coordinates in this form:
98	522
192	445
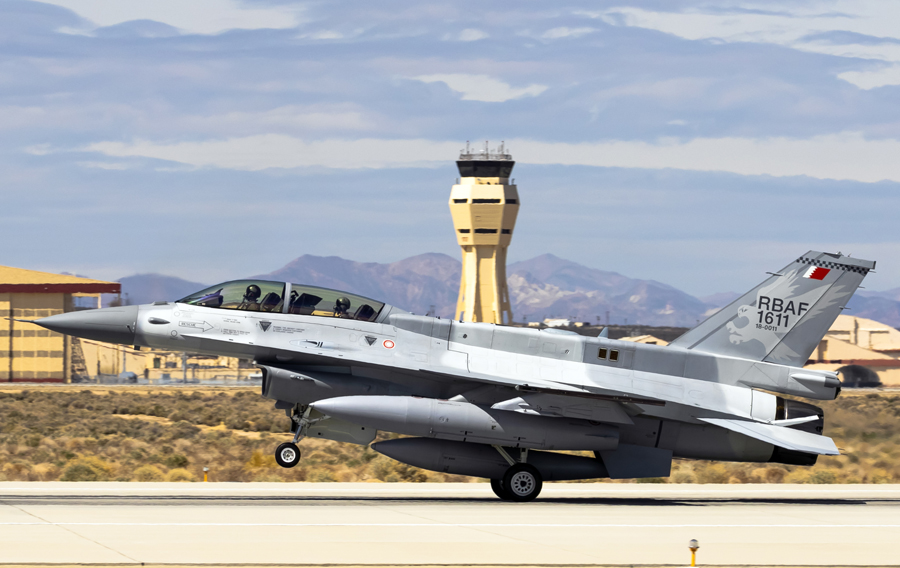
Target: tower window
512	201
485	201
460	200
601	354
465	231
506	232
614	355
486	231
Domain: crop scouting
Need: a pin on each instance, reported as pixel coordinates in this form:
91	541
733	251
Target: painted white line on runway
459	525
248	492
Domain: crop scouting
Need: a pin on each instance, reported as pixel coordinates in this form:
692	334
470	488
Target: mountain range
542	287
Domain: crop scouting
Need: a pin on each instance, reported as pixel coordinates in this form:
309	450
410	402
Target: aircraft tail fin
783	319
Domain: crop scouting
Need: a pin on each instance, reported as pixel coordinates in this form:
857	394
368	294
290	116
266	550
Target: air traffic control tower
484	205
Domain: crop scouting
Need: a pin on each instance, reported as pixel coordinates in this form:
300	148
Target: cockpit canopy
268	296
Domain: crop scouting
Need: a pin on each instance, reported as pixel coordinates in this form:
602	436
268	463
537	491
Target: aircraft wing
787	438
320	353
547	387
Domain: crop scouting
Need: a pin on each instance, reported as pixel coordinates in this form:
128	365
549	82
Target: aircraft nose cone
112	325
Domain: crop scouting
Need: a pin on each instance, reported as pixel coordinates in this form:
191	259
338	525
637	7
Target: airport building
107	362
484	204
864	351
28	352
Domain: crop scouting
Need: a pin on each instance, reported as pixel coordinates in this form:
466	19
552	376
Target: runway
447	524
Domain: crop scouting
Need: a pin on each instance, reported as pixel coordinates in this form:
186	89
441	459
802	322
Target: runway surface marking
461	525
412	525
379	488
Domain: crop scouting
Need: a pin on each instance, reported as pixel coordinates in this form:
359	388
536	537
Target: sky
699	144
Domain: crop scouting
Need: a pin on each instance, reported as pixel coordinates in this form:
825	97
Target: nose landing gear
287	454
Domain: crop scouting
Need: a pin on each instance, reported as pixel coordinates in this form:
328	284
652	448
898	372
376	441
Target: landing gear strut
288	454
521	482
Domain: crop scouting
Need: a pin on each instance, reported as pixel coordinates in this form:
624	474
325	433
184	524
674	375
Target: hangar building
27	352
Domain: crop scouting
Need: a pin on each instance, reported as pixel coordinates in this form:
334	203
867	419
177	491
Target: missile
466	422
479	460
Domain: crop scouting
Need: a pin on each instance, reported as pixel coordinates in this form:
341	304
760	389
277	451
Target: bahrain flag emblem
817	273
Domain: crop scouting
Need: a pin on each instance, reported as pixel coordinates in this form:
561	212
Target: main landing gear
521	482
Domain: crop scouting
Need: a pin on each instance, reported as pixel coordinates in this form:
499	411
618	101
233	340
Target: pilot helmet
342	304
252	293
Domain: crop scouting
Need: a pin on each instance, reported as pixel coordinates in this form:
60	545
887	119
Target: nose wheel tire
287	455
499	491
522	482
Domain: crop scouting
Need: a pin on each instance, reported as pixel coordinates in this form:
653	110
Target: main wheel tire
522	482
287	454
499	491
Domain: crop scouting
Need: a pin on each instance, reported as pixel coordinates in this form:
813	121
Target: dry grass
72	434
128	434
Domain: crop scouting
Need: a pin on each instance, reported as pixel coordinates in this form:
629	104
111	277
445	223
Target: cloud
888	75
846	156
252	153
857	29
783	25
482	87
563	32
324	34
285	119
195	16
104	165
472	34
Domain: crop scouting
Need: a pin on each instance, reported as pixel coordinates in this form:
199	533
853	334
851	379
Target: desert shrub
683	477
180	474
62	433
823	476
714	473
261	460
148	473
237	423
16	468
89	468
774	474
176	461
321	475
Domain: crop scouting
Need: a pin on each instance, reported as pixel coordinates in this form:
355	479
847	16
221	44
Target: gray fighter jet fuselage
501	402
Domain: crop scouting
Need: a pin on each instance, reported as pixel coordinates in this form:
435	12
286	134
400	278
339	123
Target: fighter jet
502	402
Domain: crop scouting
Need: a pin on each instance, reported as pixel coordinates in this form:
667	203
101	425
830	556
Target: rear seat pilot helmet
252	293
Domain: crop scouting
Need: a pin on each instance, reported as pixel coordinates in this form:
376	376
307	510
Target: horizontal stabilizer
780	436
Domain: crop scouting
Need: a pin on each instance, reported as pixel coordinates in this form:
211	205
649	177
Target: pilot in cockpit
341	307
251	299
